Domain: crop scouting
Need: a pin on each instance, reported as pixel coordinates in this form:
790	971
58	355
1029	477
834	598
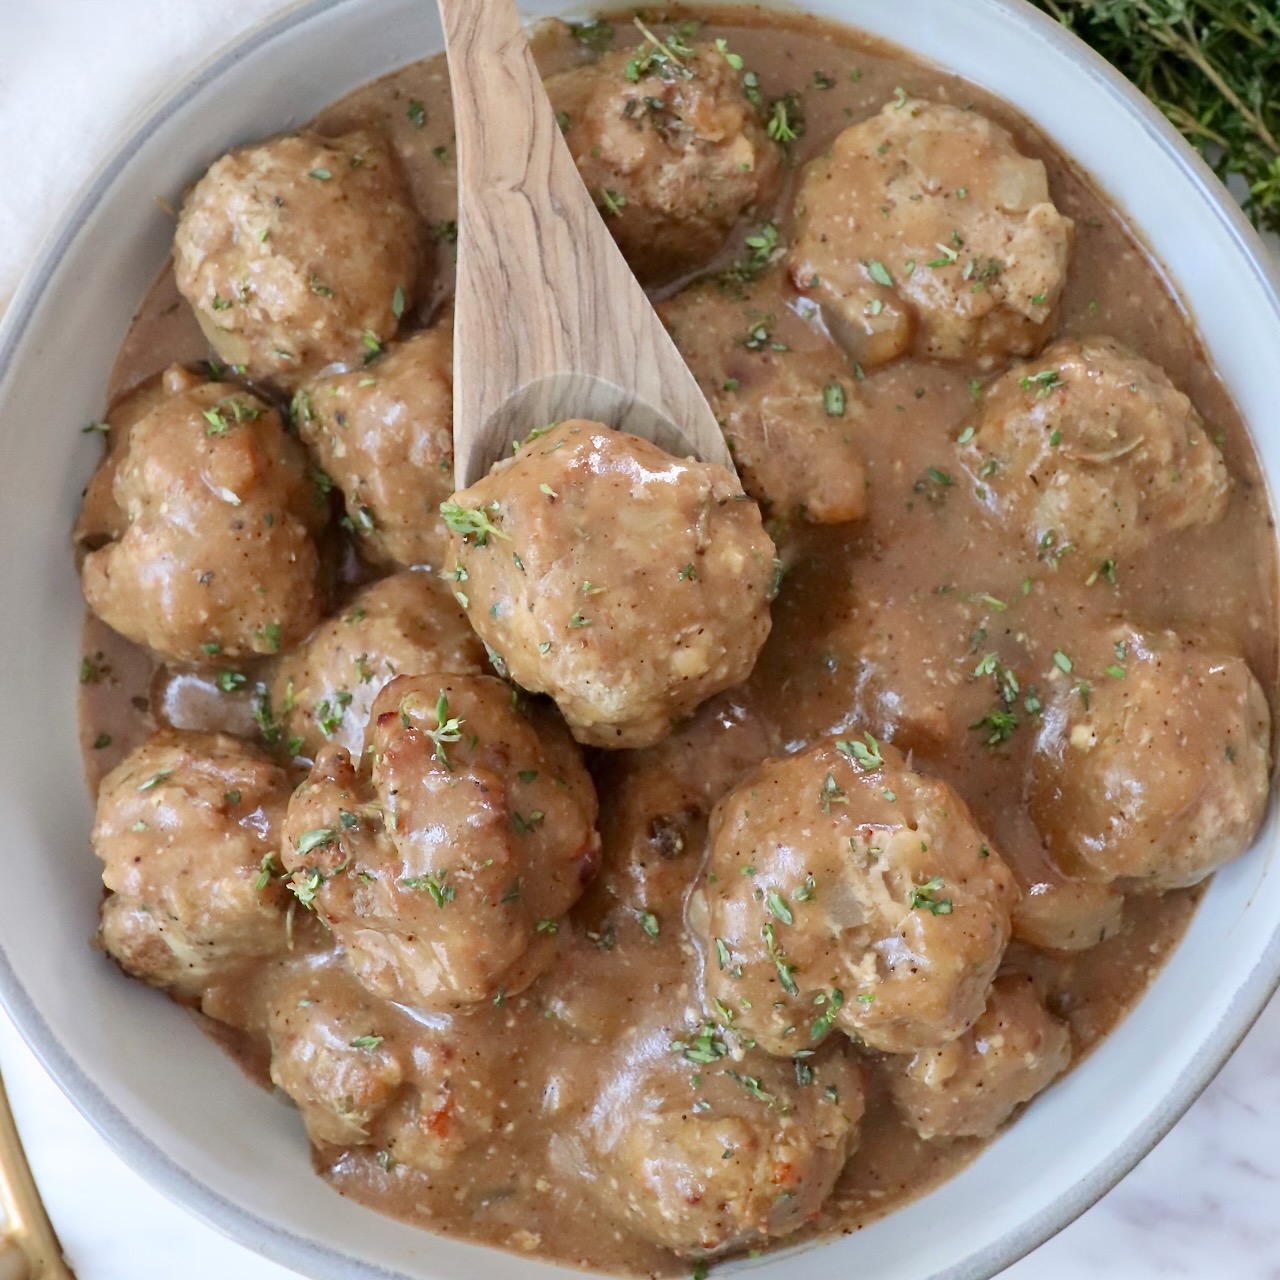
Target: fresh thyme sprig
1212	67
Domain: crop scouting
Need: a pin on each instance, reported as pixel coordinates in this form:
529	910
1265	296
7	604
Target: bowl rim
286	1247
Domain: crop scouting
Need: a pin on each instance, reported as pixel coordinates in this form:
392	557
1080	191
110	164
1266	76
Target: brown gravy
930	553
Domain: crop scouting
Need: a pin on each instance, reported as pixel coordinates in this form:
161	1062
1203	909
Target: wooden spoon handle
550	322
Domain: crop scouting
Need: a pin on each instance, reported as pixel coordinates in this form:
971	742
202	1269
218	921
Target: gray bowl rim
305	1256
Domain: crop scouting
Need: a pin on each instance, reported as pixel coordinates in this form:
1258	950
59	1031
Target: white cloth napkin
73	74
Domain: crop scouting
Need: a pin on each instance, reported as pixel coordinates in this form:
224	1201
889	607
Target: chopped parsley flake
315	839
1042	383
866	755
778	908
704	1048
924	897
826	1020
612	202
471	522
434	882
879	273
831	793
762	249
733	59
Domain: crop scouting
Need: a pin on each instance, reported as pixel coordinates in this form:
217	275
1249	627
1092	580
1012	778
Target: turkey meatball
299	252
1056	913
333	1054
323	692
216	557
704	1158
653	832
654	828
628	584
444	866
1092	447
187	829
363	1074
671	149
101	519
784	396
1161	774
844	889
969	1087
385	436
923	230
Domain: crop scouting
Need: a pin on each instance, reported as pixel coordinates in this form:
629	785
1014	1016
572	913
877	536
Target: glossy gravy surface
925	550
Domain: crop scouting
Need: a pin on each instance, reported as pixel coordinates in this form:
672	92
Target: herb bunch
1212	67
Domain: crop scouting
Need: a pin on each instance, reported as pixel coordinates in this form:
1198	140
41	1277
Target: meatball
216	557
444	868
707	1157
670	147
894	665
787	414
653	832
385	436
1161	773
362	1074
299	252
1093	447
332	1054
843	889
1059	914
101	519
628	584
654	828
969	1087
403	625
187	828
923	230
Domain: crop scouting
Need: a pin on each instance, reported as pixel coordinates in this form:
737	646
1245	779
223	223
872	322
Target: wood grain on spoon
550	322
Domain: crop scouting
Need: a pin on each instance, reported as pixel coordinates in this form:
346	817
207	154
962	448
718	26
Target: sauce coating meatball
444	867
784	396
969	1087
384	433
187	828
629	585
1162	774
671	149
216	557
363	1074
324	691
924	230
299	252
1092	446
844	889
708	1157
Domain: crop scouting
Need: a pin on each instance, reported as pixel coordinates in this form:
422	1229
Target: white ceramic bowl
168	1099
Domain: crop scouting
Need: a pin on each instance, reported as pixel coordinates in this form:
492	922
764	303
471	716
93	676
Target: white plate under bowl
167	1098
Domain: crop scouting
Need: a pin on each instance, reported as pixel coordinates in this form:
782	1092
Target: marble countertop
73	73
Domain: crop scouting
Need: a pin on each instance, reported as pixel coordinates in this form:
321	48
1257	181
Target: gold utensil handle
29	1250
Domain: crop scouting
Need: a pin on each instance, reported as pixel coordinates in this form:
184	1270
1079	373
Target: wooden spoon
550	323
